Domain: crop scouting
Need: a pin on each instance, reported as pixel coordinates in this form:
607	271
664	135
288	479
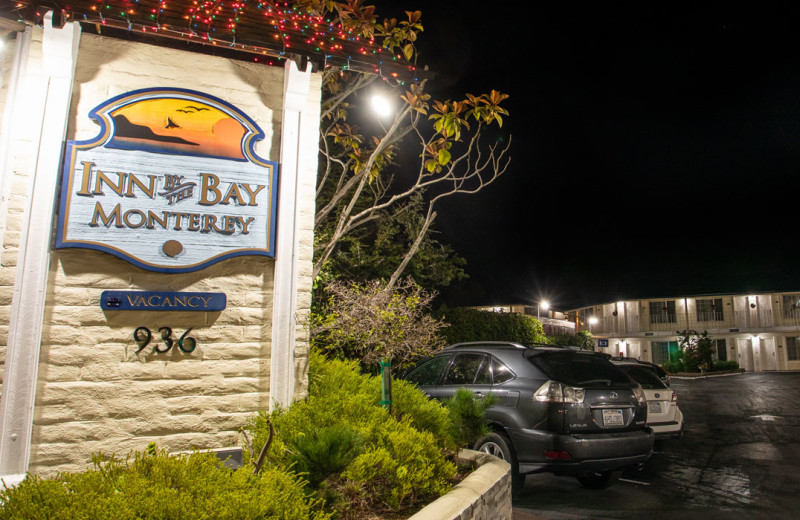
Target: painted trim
284	307
59	55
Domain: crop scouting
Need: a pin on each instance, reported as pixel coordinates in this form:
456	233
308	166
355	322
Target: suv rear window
645	376
577	369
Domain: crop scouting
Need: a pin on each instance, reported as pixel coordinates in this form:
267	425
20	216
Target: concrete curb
706	375
485	494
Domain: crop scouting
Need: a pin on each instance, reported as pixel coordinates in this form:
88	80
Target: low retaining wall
483	495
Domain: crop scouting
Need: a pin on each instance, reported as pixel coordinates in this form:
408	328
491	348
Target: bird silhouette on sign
171	123
190	109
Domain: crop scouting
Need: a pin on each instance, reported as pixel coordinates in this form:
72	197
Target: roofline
681	297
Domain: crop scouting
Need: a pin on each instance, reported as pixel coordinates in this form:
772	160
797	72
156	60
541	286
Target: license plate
654	406
613	418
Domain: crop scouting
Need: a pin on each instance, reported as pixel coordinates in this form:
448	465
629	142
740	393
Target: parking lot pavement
736	460
519	514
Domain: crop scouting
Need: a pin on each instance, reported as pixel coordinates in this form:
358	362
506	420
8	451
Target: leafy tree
696	350
582	339
377	248
372	321
356	185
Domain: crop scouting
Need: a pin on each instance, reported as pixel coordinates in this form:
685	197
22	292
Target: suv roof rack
487	344
620	358
632	360
510	344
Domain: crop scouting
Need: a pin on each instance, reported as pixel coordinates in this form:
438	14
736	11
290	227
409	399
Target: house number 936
142	336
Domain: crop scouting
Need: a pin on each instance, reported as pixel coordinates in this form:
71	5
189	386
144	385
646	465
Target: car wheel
598	479
499	445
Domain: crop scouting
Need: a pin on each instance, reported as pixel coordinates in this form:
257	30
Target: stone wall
94	393
484	495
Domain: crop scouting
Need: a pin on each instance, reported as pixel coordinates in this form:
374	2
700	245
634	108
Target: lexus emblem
614	395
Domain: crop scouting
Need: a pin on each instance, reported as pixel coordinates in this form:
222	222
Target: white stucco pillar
284	314
52	89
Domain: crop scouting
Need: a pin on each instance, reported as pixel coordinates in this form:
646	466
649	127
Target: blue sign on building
602	343
162	301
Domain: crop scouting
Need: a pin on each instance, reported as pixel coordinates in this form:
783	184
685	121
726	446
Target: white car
663	414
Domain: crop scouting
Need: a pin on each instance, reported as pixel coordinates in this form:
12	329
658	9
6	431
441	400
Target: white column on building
60	51
284	314
12	79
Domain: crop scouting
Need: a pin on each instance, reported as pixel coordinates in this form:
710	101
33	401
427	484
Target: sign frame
169	259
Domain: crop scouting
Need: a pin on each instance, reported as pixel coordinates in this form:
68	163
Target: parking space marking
634	482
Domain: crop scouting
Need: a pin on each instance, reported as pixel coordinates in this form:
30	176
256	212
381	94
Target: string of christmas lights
278	30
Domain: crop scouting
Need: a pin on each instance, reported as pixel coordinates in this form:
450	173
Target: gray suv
558	409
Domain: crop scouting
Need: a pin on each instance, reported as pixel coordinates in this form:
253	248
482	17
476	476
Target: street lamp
544	304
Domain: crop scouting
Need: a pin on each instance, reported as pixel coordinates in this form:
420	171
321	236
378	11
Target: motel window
664	351
662	311
720	350
660	350
709	310
793	349
791	305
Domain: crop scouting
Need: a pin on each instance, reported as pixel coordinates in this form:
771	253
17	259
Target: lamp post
544	304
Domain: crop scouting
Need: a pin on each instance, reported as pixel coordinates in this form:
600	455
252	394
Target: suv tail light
552	392
639	394
674	398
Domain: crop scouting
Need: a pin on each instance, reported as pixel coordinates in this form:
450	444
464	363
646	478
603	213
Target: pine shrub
468	416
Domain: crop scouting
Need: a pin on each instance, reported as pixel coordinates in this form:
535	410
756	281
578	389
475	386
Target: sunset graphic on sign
174	125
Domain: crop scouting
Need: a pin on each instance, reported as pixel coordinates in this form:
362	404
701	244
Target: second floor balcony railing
703	316
663	317
763	318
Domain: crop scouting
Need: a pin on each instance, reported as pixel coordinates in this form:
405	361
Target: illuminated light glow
381	105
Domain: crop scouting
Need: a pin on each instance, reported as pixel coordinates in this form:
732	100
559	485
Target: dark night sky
656	147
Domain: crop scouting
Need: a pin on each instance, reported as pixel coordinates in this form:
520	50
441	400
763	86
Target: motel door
768	354
744	350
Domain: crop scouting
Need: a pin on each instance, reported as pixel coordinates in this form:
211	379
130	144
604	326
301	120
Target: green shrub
404	458
726	365
422	413
155	485
325	452
468	416
402	468
345	453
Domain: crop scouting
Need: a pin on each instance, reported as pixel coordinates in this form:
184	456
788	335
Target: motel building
760	331
157	185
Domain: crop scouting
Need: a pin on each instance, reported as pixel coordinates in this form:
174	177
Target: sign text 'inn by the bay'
171	183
